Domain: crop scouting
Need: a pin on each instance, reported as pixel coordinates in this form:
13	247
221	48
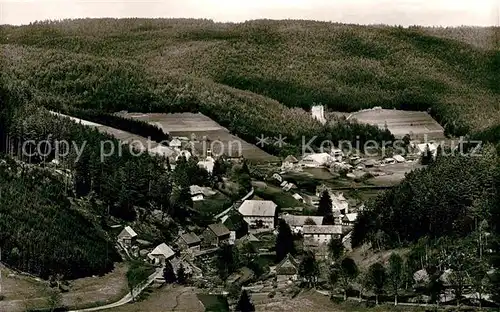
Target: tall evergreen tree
244	303
325	205
168	273
284	241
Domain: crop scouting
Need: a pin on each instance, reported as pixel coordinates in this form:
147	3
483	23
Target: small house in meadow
189	242
287	269
127	236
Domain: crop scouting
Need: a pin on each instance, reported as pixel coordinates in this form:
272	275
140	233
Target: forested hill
179	65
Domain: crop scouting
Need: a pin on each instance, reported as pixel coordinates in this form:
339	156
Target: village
251	226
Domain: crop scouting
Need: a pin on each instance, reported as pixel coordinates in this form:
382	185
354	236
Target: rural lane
128	297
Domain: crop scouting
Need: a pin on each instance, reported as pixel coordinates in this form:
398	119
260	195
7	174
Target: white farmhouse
317	160
161	254
259	213
127	236
321	234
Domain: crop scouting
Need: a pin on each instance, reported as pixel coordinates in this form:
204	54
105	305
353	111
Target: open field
200	126
167	298
21	291
136	141
400	123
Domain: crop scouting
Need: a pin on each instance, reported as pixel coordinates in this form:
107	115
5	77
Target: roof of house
322	229
287	266
291	159
398	158
293	220
249	238
190	238
351	217
422	147
175	142
196	190
128	231
258	208
219	229
163	250
297	196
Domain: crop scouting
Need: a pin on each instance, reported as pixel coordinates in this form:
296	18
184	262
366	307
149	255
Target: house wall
267	222
198	197
321	238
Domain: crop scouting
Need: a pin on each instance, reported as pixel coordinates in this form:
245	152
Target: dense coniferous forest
255	78
233	72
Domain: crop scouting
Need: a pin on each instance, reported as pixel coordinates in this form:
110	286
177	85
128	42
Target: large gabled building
259	213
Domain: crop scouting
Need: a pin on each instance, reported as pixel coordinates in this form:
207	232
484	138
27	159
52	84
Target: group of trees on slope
453	203
79	193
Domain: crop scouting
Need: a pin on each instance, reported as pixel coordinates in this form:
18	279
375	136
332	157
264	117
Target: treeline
68	81
42	233
139	127
448	198
297	63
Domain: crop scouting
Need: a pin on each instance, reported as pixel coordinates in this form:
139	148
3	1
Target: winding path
128	297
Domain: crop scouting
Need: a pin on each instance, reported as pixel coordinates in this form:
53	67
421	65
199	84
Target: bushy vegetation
188	64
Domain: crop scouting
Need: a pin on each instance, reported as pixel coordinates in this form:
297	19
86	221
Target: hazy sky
401	12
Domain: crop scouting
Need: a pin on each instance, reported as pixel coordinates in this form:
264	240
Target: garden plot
400	123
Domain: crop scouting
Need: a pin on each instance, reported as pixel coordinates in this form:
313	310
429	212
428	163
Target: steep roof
163	250
291	159
322	229
128	231
399	158
190	238
293	220
219	229
258	208
351	217
175	143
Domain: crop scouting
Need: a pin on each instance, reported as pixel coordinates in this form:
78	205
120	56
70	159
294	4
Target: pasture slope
200	128
400	123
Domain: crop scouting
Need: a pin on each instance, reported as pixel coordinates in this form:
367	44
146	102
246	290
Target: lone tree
181	275
308	269
325	205
168	273
344	274
227	261
336	249
377	278
396	274
244	303
284	241
427	157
